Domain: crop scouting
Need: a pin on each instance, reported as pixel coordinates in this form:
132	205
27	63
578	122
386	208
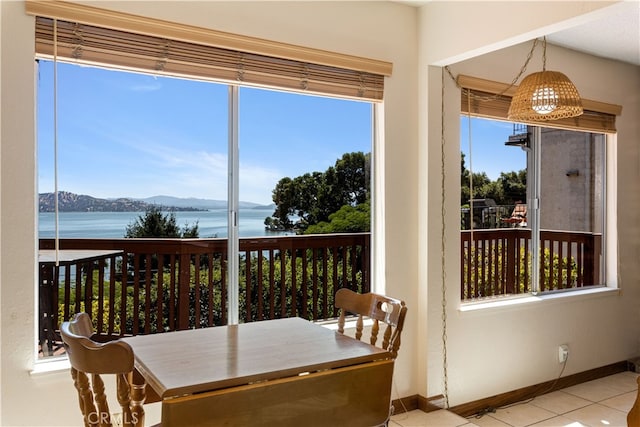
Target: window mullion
533	205
233	186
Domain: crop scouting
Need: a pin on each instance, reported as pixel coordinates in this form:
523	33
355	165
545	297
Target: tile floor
601	402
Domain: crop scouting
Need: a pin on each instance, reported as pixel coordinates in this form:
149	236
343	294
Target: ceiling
614	35
614	32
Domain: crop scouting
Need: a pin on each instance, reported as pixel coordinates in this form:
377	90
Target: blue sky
136	135
489	154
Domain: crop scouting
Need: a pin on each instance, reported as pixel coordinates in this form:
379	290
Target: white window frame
609	262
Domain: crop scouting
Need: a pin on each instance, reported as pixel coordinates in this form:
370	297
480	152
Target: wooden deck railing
497	261
157	285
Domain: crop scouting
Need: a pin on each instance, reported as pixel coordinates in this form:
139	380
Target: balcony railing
158	285
497	261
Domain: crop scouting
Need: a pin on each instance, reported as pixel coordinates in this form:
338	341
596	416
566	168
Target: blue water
212	223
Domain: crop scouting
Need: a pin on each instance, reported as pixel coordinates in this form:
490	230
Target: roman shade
94	36
479	99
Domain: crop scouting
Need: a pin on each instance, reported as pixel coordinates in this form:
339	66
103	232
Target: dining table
281	372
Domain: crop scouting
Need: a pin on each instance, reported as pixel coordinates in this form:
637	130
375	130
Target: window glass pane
571	209
565	172
138	156
304	171
147	156
121	135
494	232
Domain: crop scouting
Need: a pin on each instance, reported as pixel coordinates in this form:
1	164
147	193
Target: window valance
101	37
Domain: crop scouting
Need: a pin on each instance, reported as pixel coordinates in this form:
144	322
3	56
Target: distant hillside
70	202
195	203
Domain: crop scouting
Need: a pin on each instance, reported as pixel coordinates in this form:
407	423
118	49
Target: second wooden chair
379	308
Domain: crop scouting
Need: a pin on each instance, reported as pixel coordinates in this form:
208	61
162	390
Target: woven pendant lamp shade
545	95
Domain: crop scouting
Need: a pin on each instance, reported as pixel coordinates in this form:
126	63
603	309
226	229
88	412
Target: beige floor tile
623	403
599	415
570	407
595	390
522	415
439	418
560	402
623	381
559	422
488	421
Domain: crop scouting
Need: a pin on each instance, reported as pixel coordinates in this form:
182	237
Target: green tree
348	219
514	186
154	223
313	197
509	188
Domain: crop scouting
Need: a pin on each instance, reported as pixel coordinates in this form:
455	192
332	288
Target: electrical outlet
563	353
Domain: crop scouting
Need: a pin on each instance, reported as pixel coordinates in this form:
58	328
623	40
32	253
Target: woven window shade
597	117
94	45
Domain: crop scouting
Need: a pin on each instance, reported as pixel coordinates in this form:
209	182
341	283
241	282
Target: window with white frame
533	205
234	121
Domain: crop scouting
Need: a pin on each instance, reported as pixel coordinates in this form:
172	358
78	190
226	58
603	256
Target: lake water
211	223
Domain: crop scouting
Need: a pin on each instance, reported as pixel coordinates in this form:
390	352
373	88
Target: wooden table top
197	360
69	256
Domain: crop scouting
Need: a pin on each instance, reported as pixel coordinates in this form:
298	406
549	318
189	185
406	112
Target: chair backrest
377	307
92	359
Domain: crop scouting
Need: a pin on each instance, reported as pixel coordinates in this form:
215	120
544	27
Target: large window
265	160
532	209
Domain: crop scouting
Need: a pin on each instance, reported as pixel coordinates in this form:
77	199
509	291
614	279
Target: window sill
54	365
506	302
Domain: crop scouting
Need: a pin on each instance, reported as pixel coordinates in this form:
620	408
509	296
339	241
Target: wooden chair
380	309
91	359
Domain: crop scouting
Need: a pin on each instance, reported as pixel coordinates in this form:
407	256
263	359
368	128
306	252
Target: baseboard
425	404
434	403
471	408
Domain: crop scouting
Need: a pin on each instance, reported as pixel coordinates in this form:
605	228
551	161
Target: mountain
196	203
71	202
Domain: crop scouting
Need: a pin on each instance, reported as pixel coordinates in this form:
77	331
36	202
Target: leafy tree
154	223
508	189
514	186
348	219
314	196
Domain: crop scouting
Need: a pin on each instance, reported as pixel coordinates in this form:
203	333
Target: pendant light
545	95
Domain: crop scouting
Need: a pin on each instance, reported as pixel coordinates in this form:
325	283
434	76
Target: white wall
495	350
380	30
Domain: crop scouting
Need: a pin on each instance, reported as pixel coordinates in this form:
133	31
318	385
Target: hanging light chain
78	41
363	85
240	70
162	60
304	80
443	212
499	95
544	53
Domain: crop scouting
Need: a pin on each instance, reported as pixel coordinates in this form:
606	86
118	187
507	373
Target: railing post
597	253
512	263
183	289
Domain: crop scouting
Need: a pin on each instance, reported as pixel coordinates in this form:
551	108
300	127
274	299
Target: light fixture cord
443	271
471	188
55	142
544	53
513	82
